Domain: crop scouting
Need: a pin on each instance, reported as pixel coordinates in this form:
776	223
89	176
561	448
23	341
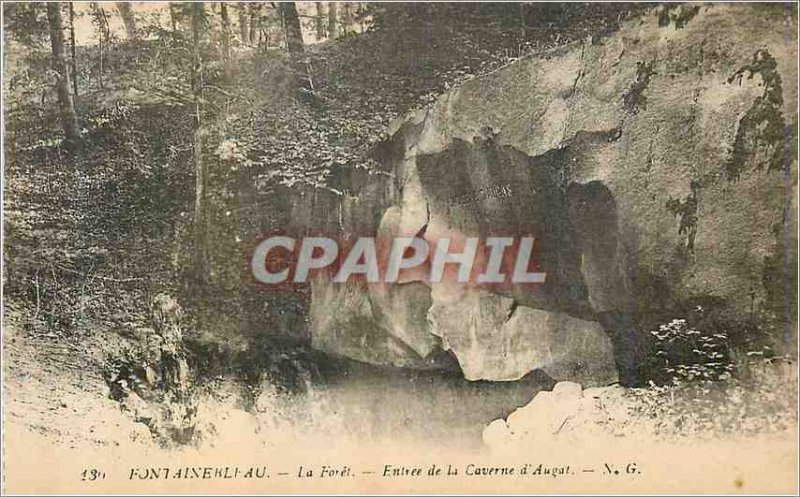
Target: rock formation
650	165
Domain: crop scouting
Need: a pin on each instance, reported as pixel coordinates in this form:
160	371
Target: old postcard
399	248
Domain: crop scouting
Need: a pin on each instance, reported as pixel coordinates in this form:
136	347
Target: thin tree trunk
347	17
201	176
172	17
126	13
101	23
318	21
291	21
100	69
360	17
72	50
226	40
105	35
244	31
104	38
332	20
66	106
522	23
254	15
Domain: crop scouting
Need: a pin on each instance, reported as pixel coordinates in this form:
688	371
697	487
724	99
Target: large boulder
650	165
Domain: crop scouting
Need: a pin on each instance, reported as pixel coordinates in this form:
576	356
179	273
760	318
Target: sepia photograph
437	248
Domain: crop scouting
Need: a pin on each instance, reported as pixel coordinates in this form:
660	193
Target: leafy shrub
754	401
685	354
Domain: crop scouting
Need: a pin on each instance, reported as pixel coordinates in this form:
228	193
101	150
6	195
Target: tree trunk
255	11
105	38
173	17
226	40
126	13
347	17
318	21
360	17
66	106
244	31
201	176
291	25
100	21
523	27
332	20
73	61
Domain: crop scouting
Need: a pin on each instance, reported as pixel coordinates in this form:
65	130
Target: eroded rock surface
644	164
